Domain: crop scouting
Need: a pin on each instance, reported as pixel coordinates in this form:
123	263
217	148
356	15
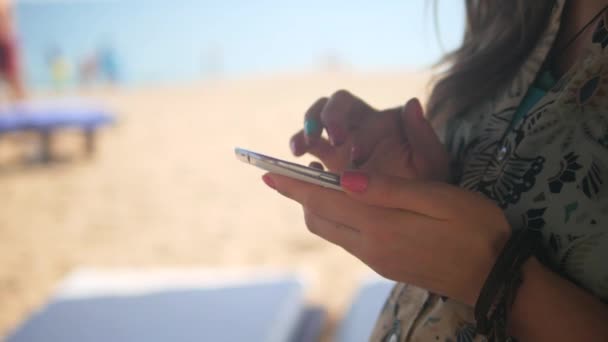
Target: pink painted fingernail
269	181
337	135
354	181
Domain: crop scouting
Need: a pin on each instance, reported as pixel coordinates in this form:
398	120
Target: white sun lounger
174	305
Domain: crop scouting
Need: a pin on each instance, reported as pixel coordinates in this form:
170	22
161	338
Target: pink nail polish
354	181
269	181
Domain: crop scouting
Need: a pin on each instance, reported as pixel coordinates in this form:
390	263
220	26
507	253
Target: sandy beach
164	189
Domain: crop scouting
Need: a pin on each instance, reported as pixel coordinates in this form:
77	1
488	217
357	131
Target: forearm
550	308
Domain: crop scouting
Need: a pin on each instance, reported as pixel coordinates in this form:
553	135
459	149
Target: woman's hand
398	142
429	234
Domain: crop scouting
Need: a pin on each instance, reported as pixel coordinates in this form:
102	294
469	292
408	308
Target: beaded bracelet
499	290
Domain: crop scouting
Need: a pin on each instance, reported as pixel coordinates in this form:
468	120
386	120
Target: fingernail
311	127
354	181
293	146
336	134
413	109
356	154
298	147
418	110
316	165
269	181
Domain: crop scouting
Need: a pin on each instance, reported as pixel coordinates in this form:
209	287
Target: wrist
487	257
501	286
533	273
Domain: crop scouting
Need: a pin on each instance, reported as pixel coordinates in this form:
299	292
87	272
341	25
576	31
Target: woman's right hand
398	142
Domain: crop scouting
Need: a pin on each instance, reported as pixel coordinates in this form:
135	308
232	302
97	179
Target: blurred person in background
59	68
9	54
99	66
495	223
108	64
88	70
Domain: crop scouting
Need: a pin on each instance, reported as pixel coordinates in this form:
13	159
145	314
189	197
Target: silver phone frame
288	169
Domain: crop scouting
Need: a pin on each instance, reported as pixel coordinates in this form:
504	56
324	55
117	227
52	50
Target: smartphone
292	170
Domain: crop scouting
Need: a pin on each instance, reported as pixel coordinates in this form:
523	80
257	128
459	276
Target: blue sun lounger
47	118
155	306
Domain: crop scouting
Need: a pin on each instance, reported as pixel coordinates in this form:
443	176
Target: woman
9	52
501	231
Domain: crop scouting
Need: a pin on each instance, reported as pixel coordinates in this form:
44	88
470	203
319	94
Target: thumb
418	131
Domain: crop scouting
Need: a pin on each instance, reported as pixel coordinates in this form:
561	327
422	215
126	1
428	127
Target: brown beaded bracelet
500	287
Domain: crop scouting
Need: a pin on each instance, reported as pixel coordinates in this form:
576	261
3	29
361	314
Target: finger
312	121
322	150
298	144
377	126
334	159
341	113
334	205
344	236
316	165
420	134
435	200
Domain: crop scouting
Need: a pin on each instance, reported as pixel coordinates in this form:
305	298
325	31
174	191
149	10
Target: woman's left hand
433	235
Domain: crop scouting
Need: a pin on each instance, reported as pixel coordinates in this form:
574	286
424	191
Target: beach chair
174	305
46	118
359	321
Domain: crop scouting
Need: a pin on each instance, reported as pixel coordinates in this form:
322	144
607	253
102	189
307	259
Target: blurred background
185	81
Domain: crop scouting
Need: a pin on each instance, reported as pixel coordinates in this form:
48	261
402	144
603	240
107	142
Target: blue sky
160	40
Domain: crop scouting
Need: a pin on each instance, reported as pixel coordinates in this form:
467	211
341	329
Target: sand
164	189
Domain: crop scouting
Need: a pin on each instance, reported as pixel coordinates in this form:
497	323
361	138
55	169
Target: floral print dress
547	171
